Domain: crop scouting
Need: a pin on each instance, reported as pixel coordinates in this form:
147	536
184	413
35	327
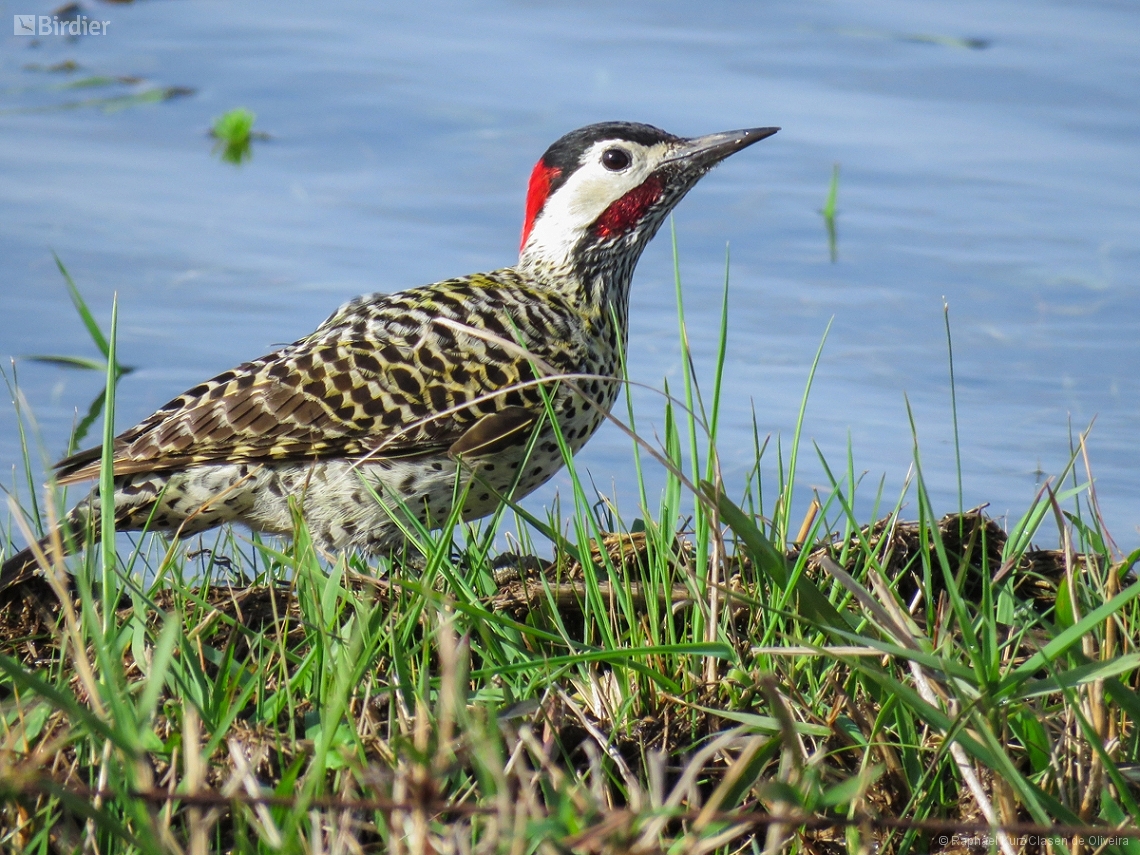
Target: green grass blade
814	605
830	207
781	526
1059	645
953	404
62	700
85	315
107	478
79	362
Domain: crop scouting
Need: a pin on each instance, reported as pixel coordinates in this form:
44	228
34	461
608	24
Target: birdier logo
54	25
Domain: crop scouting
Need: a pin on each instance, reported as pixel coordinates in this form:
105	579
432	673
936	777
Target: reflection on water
988	158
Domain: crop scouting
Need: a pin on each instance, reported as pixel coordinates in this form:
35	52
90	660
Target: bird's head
601	192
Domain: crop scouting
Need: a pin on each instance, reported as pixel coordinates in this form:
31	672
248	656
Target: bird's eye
615	159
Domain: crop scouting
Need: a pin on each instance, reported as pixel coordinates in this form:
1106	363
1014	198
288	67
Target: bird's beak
709	150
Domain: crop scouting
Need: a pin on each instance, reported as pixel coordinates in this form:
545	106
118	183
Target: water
988	157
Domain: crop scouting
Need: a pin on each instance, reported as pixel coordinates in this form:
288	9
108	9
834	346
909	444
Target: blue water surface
988	155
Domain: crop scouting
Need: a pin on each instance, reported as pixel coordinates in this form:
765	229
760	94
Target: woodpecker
399	403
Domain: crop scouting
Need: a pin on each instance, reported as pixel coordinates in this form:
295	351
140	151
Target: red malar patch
536	194
626	212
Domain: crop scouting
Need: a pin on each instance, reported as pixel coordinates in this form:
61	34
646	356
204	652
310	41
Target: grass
716	674
829	210
107	365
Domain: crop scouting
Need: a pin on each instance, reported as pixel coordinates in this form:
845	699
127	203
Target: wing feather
369	381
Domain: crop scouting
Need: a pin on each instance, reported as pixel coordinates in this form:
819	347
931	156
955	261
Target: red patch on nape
536	195
626	212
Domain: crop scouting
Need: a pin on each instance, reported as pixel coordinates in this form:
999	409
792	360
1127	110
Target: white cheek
575	206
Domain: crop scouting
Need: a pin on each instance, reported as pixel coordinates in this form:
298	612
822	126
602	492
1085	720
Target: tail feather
24	566
20	568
